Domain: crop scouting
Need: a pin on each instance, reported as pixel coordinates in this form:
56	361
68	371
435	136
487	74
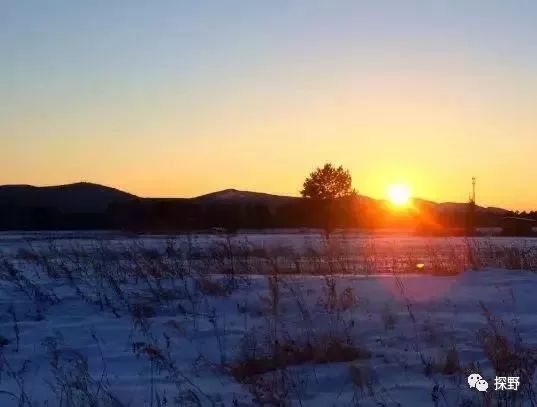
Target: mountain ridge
79	197
92	197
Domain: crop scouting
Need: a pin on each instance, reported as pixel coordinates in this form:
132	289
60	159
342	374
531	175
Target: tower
473	190
471	212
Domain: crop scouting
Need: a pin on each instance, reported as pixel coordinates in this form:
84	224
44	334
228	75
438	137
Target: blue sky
176	98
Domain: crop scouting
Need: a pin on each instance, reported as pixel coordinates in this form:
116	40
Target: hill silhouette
87	197
80	197
237	196
93	206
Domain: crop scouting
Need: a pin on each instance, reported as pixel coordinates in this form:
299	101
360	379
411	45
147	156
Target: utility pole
470	214
473	190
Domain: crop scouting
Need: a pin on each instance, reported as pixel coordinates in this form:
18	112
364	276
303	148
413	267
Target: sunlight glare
399	194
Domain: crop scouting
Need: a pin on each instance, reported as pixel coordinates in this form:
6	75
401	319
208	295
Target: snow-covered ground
186	321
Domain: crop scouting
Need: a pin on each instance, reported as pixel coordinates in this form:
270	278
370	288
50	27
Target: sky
179	98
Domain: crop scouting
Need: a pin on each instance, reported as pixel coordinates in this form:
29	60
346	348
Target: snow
154	326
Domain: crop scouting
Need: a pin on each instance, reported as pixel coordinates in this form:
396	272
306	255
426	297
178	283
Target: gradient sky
179	98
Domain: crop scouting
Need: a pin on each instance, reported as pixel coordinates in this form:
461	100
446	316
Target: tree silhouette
328	183
329	189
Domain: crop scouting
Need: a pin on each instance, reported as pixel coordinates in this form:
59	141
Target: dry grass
289	353
185	278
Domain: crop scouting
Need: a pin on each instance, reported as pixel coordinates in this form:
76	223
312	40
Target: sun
399	194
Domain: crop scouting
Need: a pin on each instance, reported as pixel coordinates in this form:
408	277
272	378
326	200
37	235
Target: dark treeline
422	217
48	218
183	214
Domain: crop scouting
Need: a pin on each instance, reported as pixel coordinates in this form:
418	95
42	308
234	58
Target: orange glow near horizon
199	99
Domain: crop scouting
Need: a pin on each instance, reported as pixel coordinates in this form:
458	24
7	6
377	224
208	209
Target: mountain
81	197
234	196
85	197
91	206
458	207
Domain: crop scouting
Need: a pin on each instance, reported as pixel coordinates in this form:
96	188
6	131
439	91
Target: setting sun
399	194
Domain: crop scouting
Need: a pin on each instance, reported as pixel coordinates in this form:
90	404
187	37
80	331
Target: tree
328	183
330	191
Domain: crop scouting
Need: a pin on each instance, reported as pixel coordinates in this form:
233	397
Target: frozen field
264	319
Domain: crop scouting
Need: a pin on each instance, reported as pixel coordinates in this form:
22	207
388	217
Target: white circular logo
473	379
482	385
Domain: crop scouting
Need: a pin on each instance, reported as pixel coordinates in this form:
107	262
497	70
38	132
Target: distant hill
458	207
81	197
85	197
234	196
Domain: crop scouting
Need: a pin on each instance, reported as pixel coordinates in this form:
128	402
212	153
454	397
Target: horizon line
242	190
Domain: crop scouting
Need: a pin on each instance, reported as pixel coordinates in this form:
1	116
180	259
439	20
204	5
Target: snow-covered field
264	319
